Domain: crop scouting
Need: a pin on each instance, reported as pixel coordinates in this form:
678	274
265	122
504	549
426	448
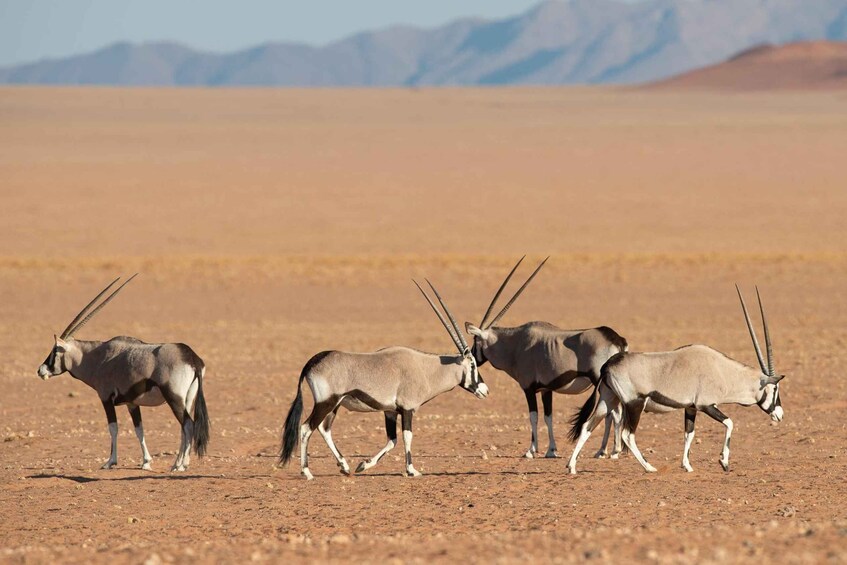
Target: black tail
201	418
580	418
291	431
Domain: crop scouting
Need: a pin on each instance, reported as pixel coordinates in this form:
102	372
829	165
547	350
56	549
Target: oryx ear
772	380
61	343
472	329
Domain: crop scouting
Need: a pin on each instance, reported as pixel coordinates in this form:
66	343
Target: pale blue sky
33	29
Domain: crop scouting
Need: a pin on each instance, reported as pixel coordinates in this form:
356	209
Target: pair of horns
769	369
508	305
80	321
455	334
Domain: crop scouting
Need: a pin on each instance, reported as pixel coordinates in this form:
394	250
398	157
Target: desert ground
269	225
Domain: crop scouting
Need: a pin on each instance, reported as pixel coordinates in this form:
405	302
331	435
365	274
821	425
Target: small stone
132	520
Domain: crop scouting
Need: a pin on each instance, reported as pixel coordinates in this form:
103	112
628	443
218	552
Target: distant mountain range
813	65
556	42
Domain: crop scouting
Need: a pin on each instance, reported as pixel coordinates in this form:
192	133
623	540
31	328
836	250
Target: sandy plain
272	224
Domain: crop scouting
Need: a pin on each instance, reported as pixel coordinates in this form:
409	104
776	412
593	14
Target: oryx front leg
634	410
713	412
547	402
146	459
406	416
325	428
690	415
391	433
112	419
532	405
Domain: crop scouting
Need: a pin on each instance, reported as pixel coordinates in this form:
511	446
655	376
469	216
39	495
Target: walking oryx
543	358
395	380
694	378
128	371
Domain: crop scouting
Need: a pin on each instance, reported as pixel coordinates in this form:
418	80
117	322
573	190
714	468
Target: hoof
572	470
178	468
552	454
361	467
412	472
345	470
615	455
147	467
650	469
725	465
688	468
108	464
308	474
600	455
529	454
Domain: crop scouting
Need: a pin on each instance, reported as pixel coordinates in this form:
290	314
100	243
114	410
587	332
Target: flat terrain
270	225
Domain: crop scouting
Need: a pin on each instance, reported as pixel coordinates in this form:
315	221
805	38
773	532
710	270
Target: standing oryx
128	371
395	380
694	378
543	358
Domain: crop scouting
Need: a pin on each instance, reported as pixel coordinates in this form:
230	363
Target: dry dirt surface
268	225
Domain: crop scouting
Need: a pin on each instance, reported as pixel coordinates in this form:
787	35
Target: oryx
125	370
395	380
543	358
695	378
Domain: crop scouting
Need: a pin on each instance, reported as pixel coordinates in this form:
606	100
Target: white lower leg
407	444
146	459
179	462
533	442
365	465
725	453
113	455
551	449
305	434
327	435
583	437
629	440
686	464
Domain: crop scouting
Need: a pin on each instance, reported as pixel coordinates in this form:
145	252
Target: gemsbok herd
398	380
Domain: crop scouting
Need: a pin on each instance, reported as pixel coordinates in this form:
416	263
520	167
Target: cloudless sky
34	29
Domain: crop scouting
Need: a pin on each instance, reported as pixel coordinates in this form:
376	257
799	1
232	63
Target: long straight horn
462	341
499	292
768	346
440	317
82	312
517	294
752	333
100	307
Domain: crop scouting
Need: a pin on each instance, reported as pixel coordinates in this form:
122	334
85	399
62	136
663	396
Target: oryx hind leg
606	403
391	433
319	413
186	426
633	410
406	416
325	428
146	458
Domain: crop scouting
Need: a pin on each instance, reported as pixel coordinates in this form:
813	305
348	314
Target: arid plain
268	225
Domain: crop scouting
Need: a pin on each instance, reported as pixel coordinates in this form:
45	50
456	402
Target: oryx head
769	381
483	336
57	361
471	379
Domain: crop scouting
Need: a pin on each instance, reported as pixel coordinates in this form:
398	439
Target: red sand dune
795	66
